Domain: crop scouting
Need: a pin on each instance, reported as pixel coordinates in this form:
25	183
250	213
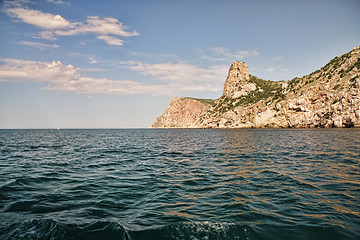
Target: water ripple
180	184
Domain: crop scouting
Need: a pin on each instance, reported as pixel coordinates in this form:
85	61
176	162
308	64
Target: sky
117	63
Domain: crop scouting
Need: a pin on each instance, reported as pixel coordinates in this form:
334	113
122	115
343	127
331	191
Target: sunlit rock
328	97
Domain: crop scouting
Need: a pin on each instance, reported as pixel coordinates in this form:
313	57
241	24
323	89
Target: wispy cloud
92	60
111	40
47	35
174	78
223	54
276	69
180	72
156	56
15	3
274	66
61	77
75	54
97	25
55	25
58	2
41	46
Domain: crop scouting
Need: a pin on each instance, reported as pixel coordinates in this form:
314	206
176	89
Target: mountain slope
328	97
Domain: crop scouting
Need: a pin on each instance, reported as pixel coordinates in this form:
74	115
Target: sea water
180	184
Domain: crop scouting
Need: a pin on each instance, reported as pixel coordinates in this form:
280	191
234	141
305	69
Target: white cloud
75	54
270	69
36	70
47	35
156	57
67	78
92	60
180	72
102	26
223	54
274	66
58	2
38	18
15	3
61	77
55	25
275	69
41	46
111	40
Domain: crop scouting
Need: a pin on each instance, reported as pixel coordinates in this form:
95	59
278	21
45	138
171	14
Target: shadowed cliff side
328	97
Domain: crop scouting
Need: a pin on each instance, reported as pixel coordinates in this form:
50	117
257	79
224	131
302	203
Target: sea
180	184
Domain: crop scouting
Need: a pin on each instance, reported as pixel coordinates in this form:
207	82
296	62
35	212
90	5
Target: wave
50	229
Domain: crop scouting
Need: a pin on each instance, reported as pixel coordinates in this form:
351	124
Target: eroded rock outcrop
182	113
328	97
237	83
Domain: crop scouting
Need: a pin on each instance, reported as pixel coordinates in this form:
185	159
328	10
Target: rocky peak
236	83
328	97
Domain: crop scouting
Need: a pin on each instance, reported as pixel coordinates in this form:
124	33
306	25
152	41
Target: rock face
236	83
182	113
328	97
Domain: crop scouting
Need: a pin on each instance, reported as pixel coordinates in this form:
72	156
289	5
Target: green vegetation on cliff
265	90
204	101
273	91
327	97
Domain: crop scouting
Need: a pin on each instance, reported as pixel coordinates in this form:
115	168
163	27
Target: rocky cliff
183	113
328	97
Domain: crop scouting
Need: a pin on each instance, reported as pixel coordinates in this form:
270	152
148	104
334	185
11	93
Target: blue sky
117	64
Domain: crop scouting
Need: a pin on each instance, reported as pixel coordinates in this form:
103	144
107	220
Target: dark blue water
180	184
